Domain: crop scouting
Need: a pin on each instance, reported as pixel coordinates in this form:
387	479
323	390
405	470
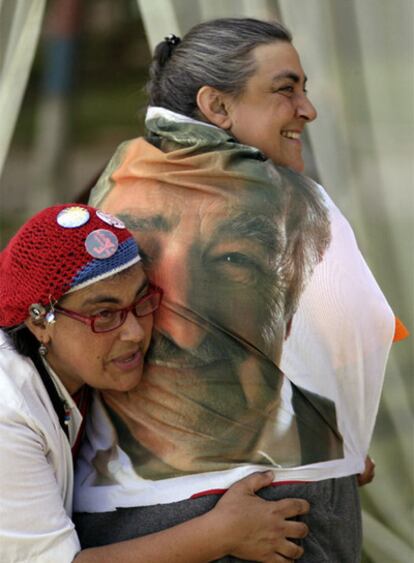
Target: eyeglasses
110	319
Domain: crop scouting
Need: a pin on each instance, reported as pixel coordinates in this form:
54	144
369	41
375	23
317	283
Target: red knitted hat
61	249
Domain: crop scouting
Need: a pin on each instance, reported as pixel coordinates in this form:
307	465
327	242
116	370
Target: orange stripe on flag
401	331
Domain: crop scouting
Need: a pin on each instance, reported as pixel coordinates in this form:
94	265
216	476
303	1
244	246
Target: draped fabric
235	242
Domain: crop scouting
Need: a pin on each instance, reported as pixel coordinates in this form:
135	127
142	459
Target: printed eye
236	267
236	258
241	260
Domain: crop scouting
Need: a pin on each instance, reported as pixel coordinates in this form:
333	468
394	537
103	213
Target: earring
43	349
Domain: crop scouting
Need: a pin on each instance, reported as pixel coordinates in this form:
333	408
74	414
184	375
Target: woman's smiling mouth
295	135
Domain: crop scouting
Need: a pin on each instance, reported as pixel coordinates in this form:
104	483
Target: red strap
82	399
222	491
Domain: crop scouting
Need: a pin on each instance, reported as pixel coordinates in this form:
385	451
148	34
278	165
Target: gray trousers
334	520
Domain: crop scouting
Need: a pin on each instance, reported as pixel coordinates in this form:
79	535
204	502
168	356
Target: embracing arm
34	524
241	524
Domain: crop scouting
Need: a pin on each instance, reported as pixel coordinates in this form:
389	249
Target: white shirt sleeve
34	525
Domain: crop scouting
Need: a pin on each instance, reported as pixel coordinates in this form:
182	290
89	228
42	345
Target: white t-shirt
36	468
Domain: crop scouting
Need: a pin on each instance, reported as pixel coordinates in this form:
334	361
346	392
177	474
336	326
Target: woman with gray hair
239	84
218	72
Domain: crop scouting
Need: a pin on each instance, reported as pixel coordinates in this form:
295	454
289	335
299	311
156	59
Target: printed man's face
216	258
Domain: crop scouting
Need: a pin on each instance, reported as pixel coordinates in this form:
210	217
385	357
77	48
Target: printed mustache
213	348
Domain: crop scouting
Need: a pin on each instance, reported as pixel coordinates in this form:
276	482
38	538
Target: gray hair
307	233
215	53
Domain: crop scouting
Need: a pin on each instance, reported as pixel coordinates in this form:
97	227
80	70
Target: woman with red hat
68	280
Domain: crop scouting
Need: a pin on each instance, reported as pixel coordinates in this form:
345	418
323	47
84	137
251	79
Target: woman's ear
213	106
41	331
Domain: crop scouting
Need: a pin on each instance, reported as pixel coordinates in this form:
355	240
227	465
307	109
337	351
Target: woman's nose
132	329
305	109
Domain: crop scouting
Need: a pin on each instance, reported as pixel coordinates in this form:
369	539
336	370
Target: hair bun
172	40
164	50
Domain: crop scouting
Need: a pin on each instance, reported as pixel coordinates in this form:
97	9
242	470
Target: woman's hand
368	474
258	529
241	524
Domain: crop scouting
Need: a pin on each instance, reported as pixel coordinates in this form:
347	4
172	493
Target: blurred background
72	76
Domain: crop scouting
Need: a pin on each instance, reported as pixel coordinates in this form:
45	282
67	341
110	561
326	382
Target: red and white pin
110	219
101	244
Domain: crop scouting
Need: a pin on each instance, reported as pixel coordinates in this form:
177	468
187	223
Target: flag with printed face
251	365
